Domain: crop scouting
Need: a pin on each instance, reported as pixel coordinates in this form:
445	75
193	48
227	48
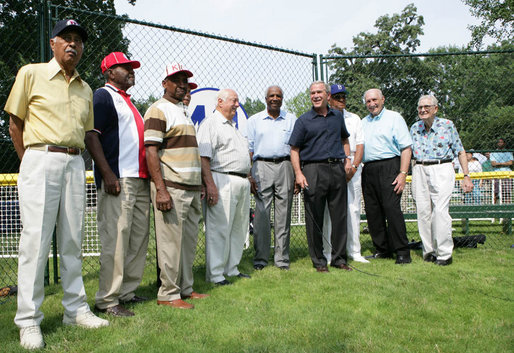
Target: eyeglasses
71	38
338	97
425	107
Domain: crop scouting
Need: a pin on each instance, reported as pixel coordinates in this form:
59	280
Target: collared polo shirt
386	135
319	137
168	126
221	142
442	141
269	137
54	111
121	133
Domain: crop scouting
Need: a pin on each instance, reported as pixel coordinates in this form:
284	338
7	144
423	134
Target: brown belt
51	148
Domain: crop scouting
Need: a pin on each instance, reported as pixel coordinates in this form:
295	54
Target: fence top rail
125	18
325	58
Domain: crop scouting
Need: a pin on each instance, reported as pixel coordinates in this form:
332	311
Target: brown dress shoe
322	269
343	267
195	295
117	310
177	303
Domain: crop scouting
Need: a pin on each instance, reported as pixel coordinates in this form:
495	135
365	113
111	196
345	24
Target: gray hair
270	87
327	87
380	94
224	93
428	96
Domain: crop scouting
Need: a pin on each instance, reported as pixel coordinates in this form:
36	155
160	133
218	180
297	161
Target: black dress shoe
380	255
134	300
258	267
322	269
403	259
243	275
444	262
429	258
222	283
283	268
117	310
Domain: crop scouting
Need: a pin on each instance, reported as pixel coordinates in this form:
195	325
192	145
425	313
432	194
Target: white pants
51	188
353	245
432	188
226	225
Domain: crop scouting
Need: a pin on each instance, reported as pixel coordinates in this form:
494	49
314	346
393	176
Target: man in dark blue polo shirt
319	162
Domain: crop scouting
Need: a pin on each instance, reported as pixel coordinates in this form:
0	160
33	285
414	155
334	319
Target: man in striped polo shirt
174	165
123	191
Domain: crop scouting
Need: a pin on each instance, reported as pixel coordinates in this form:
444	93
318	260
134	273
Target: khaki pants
123	226
176	233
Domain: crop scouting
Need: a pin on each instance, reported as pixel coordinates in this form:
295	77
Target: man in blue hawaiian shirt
435	143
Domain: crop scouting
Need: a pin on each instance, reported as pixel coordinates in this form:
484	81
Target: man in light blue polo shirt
387	154
272	178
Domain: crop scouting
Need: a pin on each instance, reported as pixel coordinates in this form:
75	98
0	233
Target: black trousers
327	183
381	204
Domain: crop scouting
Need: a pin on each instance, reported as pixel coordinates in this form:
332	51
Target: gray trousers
275	183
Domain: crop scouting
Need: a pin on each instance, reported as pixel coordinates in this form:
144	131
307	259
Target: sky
302	25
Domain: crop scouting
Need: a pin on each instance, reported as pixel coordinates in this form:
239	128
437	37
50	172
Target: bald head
228	102
374	101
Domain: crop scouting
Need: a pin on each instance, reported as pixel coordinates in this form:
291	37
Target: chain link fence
481	106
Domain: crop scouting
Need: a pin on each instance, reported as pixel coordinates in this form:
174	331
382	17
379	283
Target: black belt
274	160
328	160
233	173
439	161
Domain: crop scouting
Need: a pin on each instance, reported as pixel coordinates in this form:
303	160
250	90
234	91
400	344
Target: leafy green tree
21	42
497	20
253	106
299	104
396	34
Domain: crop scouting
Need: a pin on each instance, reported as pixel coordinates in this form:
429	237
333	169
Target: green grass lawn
465	307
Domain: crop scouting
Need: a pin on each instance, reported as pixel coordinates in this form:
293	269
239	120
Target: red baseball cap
192	85
117	58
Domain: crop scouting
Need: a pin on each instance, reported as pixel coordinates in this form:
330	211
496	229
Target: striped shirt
168	126
224	145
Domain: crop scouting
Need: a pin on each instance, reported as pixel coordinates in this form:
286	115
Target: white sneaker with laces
31	337
85	320
360	258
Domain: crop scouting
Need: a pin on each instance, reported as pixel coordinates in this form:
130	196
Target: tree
497	20
299	104
21	44
399	78
253	106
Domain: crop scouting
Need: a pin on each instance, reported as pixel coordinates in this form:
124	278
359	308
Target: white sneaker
86	320
360	258
31	337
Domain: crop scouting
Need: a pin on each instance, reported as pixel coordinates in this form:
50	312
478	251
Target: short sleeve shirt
386	135
269	137
319	137
54	111
221	142
442	141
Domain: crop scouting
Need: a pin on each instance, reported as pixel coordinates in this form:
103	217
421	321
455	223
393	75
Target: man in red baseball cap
123	190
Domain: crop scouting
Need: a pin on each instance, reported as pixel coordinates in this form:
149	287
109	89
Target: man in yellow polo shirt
50	109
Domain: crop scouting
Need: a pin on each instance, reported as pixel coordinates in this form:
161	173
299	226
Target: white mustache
71	50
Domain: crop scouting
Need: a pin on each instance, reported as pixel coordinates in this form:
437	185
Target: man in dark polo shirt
319	162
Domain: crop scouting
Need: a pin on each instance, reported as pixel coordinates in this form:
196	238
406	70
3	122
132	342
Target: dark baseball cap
335	89
69	24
